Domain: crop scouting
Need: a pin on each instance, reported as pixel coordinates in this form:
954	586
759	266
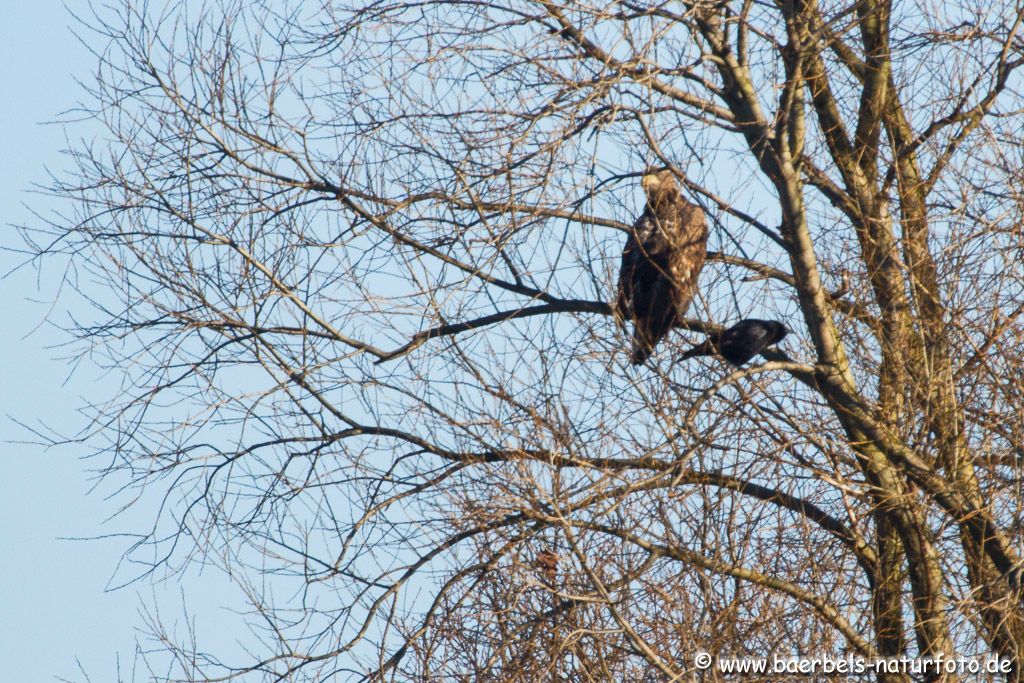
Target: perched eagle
660	264
741	342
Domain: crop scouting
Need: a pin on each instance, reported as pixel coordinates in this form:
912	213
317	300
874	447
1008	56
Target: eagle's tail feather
641	350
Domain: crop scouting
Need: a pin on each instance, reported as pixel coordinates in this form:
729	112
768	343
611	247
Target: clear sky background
55	610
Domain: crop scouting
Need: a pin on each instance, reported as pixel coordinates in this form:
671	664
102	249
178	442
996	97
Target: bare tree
353	264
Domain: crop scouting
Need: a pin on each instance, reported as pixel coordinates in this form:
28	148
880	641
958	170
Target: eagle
660	263
741	342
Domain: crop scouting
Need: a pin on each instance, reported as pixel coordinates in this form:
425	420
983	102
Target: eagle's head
659	185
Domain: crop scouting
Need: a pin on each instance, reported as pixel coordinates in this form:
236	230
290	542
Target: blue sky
54	606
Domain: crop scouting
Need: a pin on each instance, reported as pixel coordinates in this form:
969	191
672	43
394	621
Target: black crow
741	342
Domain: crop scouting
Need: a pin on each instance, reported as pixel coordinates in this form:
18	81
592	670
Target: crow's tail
702	349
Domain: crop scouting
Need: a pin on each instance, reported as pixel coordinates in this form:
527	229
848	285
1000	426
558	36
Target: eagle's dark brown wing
624	301
634	256
645	285
654	311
